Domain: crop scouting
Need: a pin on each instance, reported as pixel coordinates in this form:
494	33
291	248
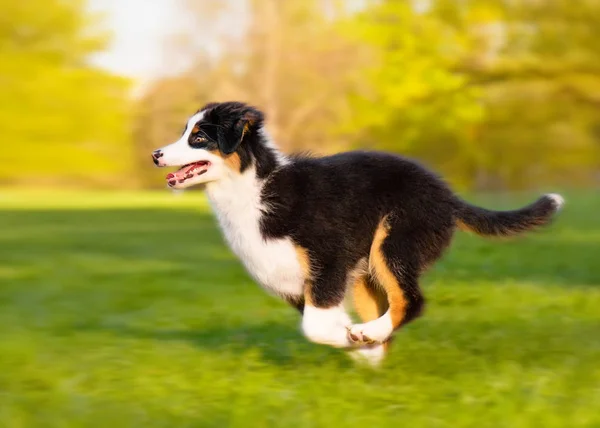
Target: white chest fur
273	263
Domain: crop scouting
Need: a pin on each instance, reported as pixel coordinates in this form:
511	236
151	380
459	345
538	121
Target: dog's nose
156	154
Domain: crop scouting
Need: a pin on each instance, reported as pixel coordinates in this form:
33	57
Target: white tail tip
558	200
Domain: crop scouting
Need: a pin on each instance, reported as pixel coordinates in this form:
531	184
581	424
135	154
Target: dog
313	229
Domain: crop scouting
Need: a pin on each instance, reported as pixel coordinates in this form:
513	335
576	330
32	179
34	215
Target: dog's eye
199	141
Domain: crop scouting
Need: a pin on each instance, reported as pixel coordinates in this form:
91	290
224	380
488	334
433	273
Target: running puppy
309	229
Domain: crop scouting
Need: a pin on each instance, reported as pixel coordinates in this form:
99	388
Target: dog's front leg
324	319
327	326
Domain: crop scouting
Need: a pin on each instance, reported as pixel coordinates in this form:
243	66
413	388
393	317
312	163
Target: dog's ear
235	128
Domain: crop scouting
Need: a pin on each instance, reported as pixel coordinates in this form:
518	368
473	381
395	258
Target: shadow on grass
277	343
450	347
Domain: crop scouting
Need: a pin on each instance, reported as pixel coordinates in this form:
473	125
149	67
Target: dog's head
220	139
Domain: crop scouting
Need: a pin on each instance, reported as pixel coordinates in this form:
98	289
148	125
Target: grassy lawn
127	310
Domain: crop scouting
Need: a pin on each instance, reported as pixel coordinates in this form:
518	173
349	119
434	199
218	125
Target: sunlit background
495	95
119	302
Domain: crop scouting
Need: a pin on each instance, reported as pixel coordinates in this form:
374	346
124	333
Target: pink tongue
180	174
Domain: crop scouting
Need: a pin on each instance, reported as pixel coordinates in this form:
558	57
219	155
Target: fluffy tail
508	223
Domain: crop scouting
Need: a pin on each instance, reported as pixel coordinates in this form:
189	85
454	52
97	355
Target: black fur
226	125
505	223
332	207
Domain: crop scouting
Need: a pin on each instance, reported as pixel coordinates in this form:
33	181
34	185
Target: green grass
127	310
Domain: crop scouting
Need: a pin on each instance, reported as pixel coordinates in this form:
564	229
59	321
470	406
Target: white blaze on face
180	152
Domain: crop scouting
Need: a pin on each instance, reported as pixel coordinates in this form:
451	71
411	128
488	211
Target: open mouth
187	172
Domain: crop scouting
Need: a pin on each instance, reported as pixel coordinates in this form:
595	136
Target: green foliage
471	87
62	118
408	71
491	94
127	310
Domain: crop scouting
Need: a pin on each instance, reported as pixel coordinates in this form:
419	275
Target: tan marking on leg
383	275
304	260
308	293
369	301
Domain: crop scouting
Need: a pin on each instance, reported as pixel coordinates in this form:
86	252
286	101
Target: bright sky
140	29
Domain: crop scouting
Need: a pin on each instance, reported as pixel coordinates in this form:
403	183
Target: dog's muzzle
157	154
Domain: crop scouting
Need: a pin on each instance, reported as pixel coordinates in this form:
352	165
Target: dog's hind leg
370	302
395	262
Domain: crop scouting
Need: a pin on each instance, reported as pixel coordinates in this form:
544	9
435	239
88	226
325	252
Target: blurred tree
496	94
493	94
63	120
295	68
286	57
538	63
407	98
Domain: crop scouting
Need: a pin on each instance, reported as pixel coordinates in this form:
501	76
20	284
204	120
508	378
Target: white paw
376	331
371	355
326	326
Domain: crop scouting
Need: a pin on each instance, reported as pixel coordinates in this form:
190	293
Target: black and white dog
310	229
